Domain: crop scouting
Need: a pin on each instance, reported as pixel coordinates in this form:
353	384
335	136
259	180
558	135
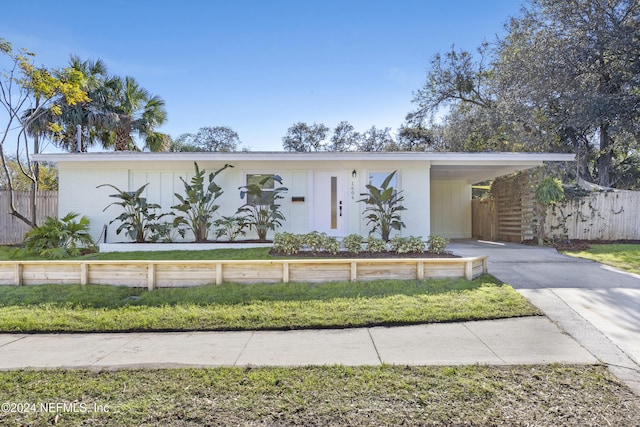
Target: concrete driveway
598	305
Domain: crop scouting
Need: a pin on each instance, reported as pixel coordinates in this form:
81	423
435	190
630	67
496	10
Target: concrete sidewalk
528	340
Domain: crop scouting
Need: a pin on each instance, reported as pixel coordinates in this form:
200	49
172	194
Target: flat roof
470	167
435	156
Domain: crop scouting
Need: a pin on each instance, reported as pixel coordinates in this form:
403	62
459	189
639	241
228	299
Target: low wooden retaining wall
165	274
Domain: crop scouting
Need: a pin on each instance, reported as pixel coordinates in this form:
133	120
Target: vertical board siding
450	209
12	230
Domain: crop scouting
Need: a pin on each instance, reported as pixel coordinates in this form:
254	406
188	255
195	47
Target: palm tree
95	73
118	109
128	110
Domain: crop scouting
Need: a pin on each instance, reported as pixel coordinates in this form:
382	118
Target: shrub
139	219
287	243
376	245
318	242
406	245
437	244
230	227
60	238
314	241
383	208
550	191
331	244
353	243
198	203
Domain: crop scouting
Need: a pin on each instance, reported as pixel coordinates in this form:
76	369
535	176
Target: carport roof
469	167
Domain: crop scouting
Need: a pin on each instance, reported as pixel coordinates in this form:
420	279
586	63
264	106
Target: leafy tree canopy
217	138
31	95
116	113
304	137
47	177
564	78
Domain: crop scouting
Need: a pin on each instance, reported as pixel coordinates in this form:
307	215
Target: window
377	178
267	188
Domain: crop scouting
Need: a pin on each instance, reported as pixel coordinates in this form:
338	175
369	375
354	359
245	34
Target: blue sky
261	66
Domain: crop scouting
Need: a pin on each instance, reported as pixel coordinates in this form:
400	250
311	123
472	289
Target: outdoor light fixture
354	173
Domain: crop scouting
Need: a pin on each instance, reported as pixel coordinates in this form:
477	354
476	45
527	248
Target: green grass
57	308
623	256
69	308
9	253
332	395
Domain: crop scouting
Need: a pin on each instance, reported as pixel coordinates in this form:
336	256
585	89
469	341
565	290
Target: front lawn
8	253
554	395
70	308
623	256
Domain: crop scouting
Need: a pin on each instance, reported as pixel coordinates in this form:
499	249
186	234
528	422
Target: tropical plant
262	211
230	227
383	208
165	232
117	110
60	238
198	204
139	219
81	114
129	110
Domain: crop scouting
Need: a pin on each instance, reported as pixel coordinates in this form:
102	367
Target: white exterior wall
163	184
415	184
436	185
451	209
78	191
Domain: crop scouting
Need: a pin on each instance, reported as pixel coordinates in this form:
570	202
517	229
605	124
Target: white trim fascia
437	158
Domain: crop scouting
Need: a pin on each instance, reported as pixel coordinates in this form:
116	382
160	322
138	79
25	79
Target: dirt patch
344	254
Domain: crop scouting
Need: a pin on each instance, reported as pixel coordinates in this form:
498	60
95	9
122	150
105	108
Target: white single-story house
323	187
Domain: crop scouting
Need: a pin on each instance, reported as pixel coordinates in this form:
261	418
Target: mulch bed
344	254
583	245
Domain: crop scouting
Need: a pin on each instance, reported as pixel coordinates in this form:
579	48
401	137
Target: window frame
246	176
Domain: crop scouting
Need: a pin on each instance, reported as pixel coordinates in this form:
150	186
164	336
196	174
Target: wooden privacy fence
603	215
12	230
600	215
161	274
509	216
